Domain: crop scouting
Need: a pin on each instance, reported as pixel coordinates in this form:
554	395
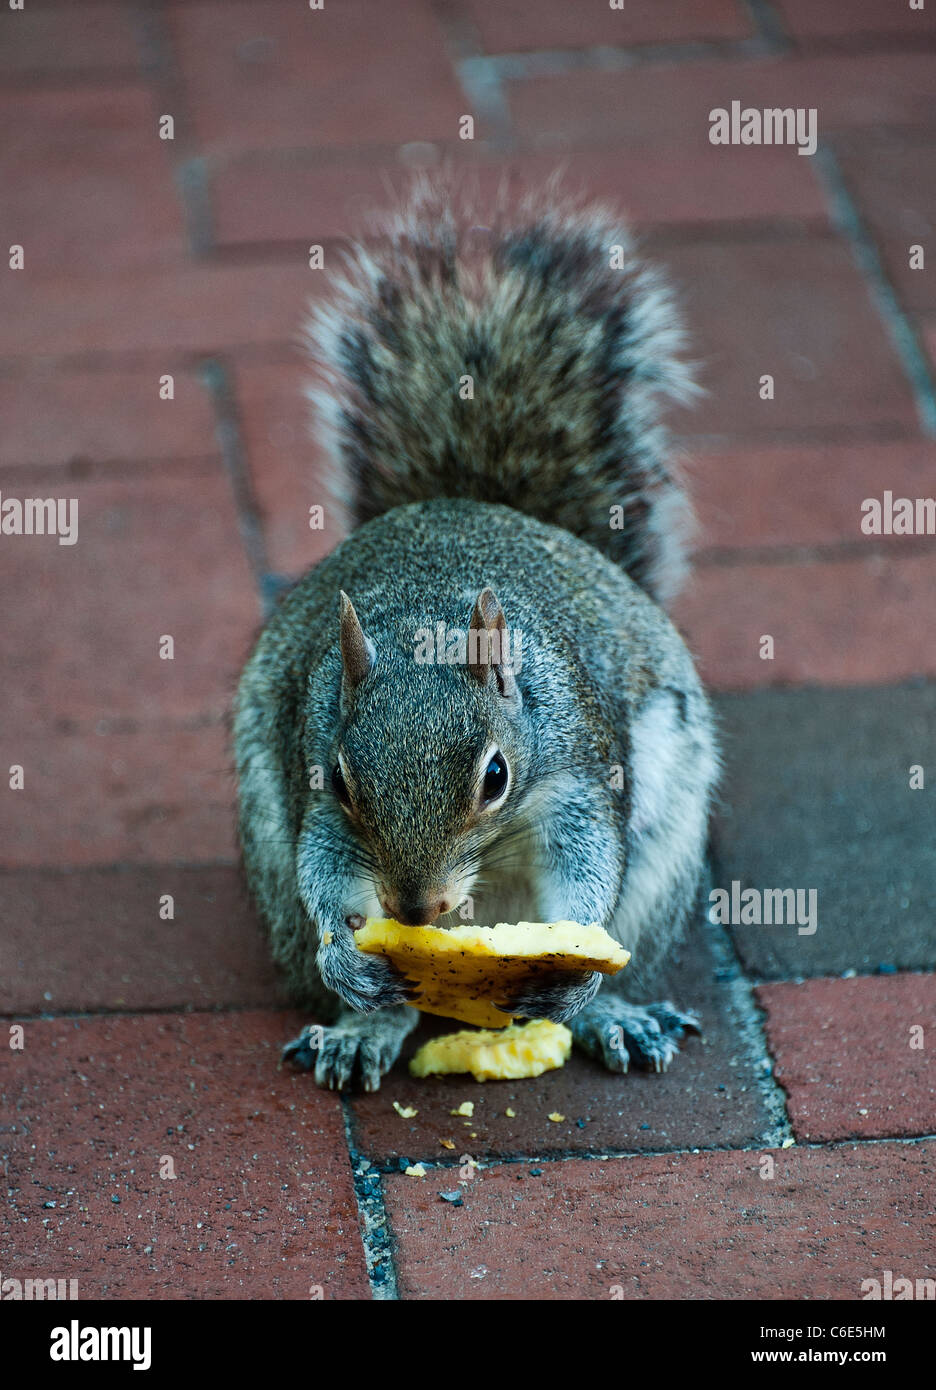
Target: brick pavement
149	1038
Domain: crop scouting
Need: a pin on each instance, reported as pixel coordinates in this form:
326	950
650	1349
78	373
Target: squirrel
492	403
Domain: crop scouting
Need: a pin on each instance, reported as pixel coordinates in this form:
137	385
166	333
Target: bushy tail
524	363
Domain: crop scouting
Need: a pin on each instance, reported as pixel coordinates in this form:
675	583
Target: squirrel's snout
415	912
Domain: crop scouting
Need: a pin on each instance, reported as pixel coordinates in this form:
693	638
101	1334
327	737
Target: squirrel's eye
339	786
495	778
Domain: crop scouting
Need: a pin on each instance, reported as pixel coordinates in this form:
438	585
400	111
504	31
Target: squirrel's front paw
364	982
558	998
353	1049
617	1033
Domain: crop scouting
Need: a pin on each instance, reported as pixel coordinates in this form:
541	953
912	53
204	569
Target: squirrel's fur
506	493
570	359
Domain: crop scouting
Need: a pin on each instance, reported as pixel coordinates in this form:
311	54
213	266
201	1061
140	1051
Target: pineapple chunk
459	970
510	1054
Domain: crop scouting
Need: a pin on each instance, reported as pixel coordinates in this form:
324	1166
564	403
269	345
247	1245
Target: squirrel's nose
415	912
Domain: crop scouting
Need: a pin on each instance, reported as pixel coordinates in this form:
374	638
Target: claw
618	1033
362	1045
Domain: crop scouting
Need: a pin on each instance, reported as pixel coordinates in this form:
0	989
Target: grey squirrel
493	403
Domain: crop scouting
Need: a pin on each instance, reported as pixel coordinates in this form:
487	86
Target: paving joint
390	1168
769	25
554	62
194	188
851	224
749	1016
375	1228
837	552
216	375
167	87
476	71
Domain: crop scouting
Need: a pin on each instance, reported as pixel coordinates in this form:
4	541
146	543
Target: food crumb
466	1108
511	1114
556	1117
405	1112
326	938
415	1170
447	1143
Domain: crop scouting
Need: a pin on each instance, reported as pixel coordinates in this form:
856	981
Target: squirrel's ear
489	646
357	651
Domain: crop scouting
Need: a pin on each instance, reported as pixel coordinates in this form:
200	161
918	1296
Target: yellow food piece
459	970
508	1054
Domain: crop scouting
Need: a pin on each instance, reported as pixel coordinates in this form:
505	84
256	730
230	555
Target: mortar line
167	87
769	25
216	375
443	1166
372	1215
852	226
747	1013
127	866
829	552
147	1011
606	58
476	71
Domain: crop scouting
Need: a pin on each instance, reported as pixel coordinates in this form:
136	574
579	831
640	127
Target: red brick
709	1095
87	182
680	185
155	556
155	796
796	310
660	105
513	25
261	1205
844	19
94	940
844	623
844	1056
298	201
287	466
281	75
161	313
75	39
312	195
676	1227
800	496
892	178
55	417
